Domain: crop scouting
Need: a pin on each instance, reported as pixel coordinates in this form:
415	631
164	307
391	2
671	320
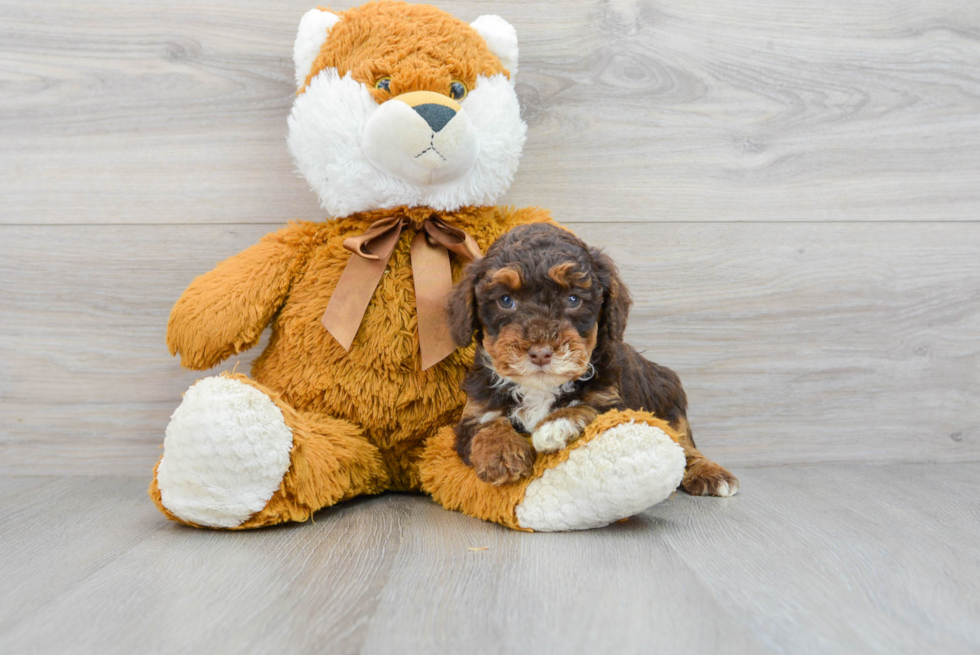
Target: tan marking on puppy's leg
499	455
702	477
706	478
476	412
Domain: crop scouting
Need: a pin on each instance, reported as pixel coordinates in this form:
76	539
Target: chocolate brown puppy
549	315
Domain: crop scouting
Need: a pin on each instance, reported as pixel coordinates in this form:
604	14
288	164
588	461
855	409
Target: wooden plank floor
791	190
814	559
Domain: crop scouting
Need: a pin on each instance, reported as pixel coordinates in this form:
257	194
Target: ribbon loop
378	241
431	271
452	238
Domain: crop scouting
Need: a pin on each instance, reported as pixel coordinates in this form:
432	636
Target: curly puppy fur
549	315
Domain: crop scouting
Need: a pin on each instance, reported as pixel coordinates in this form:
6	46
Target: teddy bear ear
314	28
501	38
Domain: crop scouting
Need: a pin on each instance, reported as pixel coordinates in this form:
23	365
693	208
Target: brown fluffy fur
420	48
537	268
500	455
454	485
367	420
224	312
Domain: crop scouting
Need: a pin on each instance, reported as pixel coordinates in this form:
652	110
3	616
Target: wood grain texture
796	342
639	110
57	532
791	192
819	559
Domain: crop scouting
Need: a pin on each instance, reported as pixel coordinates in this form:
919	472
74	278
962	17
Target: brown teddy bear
407	127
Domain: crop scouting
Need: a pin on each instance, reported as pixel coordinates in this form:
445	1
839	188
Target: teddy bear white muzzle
421	137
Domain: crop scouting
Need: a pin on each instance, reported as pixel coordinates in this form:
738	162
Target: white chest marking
533	405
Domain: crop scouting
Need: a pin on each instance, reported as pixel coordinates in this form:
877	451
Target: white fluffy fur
533	404
490	416
326	127
314	28
501	38
554	435
398	141
224	455
724	490
621	472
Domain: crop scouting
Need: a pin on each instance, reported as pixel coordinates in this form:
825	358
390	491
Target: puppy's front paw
705	478
499	455
555	435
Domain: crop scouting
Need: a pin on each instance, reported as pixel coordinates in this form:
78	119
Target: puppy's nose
540	355
435	115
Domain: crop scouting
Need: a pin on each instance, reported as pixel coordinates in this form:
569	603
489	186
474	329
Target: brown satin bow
430	269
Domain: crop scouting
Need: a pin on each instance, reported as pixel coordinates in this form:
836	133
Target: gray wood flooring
840	558
792	191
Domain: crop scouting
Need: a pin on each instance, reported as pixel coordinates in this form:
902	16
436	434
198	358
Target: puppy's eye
573	301
383	84
506	302
457	90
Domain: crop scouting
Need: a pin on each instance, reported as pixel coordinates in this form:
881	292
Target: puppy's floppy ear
616	298
461	306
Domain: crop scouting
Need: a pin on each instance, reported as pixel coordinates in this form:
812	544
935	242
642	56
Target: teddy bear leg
625	462
236	455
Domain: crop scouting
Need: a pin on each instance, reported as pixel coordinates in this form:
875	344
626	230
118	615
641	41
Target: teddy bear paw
618	473
225	453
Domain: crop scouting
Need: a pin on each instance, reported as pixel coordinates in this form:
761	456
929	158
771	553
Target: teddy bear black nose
435	115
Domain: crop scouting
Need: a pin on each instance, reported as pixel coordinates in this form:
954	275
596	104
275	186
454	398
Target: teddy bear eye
383	84
573	301
457	90
506	302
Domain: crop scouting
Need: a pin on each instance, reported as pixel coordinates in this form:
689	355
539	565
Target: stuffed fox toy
407	127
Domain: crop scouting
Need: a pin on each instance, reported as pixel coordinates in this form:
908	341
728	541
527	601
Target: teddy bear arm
224	311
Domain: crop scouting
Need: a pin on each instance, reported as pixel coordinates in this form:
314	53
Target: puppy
549	315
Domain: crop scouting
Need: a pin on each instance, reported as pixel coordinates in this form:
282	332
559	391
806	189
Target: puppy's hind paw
554	435
705	478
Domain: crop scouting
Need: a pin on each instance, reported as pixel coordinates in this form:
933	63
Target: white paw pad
224	455
554	435
619	473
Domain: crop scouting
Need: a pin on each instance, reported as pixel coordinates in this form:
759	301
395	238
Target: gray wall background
791	189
